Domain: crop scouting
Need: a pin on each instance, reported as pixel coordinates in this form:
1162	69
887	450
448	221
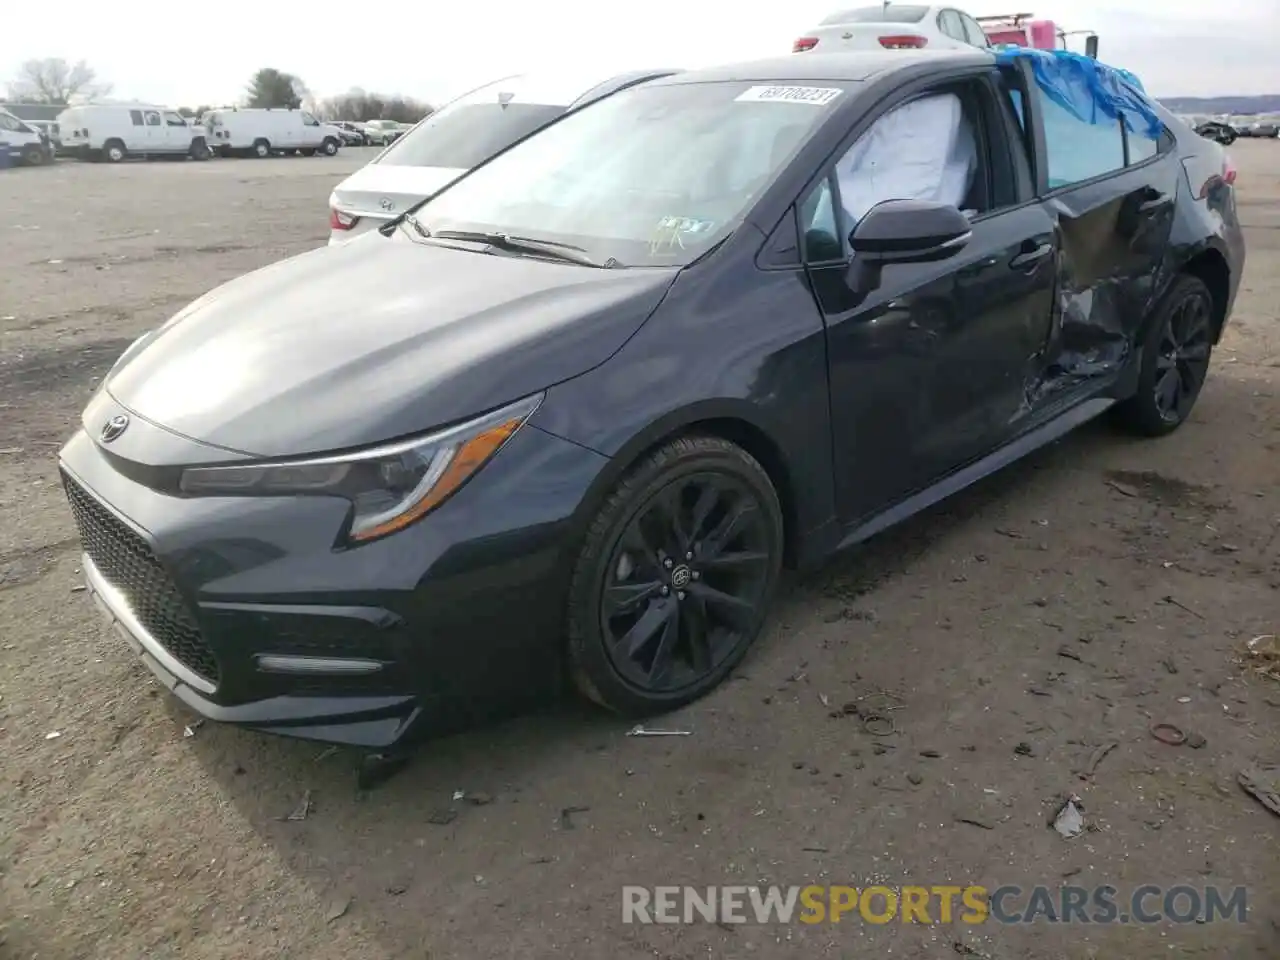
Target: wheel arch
736	421
1210	267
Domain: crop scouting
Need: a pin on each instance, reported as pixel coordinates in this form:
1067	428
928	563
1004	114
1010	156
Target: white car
23	141
383	132
894	26
459	136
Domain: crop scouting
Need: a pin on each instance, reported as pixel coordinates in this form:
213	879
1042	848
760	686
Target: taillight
341	221
904	42
1227	176
803	44
1228	170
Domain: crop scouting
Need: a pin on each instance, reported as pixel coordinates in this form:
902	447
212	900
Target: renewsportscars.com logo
939	904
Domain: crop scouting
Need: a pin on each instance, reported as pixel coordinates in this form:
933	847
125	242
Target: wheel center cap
681	576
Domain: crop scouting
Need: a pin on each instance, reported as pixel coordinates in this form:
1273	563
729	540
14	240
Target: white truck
116	131
261	132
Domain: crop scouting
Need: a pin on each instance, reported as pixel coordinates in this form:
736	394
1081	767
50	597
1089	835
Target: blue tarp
1090	91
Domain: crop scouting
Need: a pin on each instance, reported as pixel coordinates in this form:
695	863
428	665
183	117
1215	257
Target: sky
433	51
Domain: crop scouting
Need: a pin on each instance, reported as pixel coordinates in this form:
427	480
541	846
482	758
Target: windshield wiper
389	227
551	248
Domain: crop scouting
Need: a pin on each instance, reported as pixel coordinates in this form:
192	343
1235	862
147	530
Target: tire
261	149
32	155
330	147
199	150
113	151
617	589
1178	344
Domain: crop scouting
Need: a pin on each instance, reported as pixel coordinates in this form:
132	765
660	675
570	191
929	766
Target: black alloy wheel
1182	359
1175	360
675	579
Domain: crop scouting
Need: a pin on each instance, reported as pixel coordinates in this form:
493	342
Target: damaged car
604	387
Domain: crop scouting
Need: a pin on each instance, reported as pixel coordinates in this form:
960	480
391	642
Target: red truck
1025	31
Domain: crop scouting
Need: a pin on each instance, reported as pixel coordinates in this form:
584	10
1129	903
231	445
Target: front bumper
246	610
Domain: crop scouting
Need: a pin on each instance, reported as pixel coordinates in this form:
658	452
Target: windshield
884	13
653	175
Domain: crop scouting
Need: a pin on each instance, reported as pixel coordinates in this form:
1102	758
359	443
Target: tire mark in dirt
29	564
42	372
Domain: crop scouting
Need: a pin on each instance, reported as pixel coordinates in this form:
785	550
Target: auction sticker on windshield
818	96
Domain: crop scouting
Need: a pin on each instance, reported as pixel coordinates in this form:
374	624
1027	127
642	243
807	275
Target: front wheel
199	150
329	147
1174	361
675	577
32	155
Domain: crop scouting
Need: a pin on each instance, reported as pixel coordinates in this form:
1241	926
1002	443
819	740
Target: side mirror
1091	46
910	231
903	231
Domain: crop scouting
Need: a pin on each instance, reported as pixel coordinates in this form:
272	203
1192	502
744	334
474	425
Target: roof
852	66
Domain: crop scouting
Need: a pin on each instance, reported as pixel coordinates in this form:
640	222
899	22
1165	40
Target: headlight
389	486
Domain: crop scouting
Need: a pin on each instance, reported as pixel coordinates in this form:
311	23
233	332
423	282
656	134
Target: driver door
929	370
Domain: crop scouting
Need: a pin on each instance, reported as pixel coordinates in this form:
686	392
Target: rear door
1110	192
929	371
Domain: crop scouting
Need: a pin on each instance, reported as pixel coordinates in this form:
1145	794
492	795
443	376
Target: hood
374	340
364	190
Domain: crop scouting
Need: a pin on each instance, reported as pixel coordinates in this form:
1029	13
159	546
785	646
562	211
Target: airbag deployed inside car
922	150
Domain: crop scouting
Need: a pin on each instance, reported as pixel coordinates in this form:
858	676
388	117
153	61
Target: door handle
1157	202
1032	257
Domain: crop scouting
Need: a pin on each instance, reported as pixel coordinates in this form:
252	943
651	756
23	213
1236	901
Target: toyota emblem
112	429
386	204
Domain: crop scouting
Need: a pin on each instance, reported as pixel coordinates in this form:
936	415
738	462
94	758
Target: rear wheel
261	149
199	150
1175	360
675	577
113	151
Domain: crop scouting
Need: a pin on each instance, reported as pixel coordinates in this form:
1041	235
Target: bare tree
358	104
54	80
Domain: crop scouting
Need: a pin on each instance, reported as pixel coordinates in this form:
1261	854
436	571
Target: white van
461	135
260	132
116	131
23	141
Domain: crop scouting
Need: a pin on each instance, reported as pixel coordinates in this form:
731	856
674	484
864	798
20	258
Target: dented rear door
1110	194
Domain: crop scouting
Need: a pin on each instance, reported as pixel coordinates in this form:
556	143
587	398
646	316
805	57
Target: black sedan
565	422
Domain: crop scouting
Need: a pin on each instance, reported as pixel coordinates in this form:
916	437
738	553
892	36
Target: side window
950	24
309	120
174	120
1143	147
152	118
8	123
136	117
819	230
973	31
946	135
1077	150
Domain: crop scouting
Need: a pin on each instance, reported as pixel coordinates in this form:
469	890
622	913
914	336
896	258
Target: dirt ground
1101	587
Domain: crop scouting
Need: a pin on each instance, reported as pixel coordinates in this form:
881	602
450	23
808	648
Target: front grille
127	563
